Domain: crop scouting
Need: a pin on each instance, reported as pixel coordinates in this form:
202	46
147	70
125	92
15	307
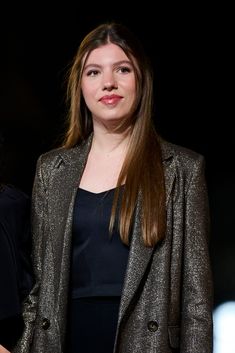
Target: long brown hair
142	170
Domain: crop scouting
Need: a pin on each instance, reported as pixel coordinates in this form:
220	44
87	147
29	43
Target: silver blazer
166	304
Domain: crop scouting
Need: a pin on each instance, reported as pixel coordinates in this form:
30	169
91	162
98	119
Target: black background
191	50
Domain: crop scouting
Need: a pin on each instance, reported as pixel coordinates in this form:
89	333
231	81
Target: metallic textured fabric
166	305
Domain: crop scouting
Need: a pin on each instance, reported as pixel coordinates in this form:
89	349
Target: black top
15	264
98	267
98	259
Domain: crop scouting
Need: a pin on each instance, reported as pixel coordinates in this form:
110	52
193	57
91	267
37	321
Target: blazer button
152	326
45	324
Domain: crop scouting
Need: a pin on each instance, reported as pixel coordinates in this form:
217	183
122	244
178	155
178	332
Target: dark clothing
10	330
98	259
167	297
98	268
15	265
92	325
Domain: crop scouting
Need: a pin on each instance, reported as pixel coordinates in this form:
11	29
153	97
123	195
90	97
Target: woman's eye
124	69
92	72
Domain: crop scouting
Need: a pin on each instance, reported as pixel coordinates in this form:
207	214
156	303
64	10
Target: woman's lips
110	99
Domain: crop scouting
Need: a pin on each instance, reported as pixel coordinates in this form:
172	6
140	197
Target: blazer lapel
139	258
140	255
64	181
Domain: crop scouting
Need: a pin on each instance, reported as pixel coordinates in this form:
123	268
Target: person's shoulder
13	192
52	155
182	155
12	195
57	155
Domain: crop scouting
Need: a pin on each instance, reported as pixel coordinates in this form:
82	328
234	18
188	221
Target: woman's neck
105	161
110	143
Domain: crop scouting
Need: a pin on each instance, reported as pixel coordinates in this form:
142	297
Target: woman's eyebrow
121	62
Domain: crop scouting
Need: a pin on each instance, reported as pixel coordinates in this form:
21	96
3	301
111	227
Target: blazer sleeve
39	198
197	292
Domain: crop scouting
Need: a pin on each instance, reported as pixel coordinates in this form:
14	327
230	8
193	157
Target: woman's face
108	84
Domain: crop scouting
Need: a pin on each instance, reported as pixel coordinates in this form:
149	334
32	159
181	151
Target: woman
120	220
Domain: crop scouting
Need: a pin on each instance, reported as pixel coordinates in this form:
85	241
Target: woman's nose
109	82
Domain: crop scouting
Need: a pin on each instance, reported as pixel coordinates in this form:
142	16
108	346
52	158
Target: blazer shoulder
55	156
50	157
60	154
185	158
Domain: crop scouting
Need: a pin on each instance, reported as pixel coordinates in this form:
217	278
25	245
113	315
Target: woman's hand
3	350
